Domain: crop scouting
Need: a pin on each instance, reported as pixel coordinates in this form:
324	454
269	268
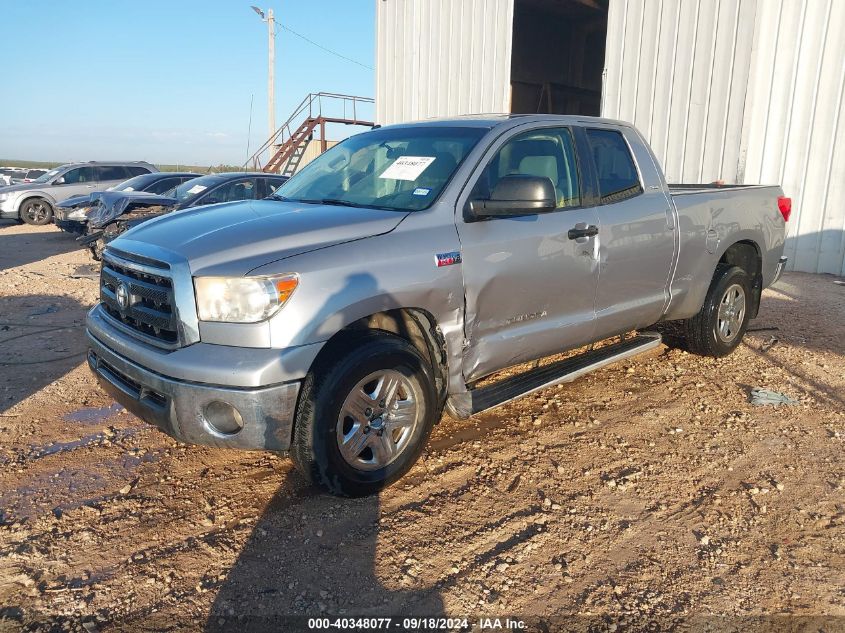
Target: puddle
92	415
73	487
37	452
113	436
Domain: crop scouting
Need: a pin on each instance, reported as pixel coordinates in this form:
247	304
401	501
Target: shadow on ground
21	248
42	337
313	557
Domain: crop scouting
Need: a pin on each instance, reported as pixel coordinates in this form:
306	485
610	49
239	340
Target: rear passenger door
636	236
110	175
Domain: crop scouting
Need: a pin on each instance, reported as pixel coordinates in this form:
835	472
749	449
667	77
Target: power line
312	42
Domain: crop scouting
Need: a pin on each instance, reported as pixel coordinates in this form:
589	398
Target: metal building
745	91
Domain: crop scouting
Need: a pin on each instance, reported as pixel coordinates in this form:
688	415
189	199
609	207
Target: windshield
49	175
193	188
404	169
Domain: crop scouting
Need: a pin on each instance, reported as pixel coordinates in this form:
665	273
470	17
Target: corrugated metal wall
442	58
747	91
795	128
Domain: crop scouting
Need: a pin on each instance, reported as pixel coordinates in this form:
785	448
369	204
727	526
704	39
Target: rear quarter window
615	168
137	170
110	172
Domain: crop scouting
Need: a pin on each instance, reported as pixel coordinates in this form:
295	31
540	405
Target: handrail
284	133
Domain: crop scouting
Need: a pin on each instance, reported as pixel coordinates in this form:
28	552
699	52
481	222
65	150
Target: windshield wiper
275	196
345	203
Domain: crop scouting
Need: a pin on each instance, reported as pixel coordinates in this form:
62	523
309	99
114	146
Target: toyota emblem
122	294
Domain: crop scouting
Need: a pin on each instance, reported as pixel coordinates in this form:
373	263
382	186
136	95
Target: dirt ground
651	491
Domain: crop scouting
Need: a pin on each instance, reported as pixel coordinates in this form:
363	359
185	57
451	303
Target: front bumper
71	226
8	210
177	407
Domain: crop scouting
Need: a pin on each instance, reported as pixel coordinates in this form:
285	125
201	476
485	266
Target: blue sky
166	81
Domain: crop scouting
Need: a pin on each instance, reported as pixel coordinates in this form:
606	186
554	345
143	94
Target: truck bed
680	189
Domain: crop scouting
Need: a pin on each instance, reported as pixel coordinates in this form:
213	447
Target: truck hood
236	237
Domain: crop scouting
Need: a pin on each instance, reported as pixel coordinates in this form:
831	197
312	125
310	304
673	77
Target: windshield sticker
197	189
407	167
421	191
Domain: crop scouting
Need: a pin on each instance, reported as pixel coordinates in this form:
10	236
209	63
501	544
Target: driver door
530	288
75	182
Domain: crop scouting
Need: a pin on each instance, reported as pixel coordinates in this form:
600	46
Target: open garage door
558	56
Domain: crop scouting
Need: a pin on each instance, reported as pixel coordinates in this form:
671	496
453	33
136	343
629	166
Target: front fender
349	282
29	195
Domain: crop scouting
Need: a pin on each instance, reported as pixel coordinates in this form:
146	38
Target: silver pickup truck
395	274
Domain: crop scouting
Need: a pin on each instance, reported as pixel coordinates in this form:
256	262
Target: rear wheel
37	212
720	325
363	417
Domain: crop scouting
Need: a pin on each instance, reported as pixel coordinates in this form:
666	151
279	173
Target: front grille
148	300
139	391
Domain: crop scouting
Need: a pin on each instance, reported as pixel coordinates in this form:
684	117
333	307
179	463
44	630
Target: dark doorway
558	56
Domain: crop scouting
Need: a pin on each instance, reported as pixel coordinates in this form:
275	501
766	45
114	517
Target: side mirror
515	196
59	181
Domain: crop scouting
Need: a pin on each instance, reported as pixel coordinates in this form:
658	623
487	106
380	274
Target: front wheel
364	417
37	212
720	325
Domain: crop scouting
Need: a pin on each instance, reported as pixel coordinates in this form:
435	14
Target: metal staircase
288	144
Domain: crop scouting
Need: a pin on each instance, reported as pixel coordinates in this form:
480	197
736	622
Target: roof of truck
493	119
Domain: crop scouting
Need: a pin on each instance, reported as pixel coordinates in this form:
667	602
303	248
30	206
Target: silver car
35	202
397	273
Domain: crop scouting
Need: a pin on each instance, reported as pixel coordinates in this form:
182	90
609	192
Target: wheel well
746	255
28	198
415	325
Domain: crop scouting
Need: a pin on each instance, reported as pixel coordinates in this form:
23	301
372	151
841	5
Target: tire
340	439
36	211
718	328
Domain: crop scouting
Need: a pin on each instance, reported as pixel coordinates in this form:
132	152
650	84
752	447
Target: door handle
587	231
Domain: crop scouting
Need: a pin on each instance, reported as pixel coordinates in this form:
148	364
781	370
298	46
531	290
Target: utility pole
271	73
271	68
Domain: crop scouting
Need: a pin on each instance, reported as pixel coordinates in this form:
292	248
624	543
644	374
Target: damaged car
72	214
114	215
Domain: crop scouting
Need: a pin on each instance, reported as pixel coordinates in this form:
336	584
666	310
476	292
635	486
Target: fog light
223	417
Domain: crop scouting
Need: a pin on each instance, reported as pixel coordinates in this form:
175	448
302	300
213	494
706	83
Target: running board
477	400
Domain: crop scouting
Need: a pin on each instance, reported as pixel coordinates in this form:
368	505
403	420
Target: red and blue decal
447	259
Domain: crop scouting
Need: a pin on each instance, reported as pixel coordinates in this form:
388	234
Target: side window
547	153
165	184
79	175
270	186
110	172
231	192
617	174
136	170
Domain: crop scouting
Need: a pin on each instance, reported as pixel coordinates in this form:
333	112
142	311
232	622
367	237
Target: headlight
242	299
4	196
79	214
